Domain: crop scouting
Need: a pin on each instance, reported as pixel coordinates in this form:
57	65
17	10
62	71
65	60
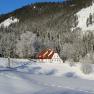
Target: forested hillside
43	25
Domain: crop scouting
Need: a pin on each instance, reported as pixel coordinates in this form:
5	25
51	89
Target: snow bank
55	69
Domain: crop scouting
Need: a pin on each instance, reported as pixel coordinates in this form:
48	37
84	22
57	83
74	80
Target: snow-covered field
83	16
28	77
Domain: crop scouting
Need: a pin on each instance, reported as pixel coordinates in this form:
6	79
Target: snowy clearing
28	77
83	15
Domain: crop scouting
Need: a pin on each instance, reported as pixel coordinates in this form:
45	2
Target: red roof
46	54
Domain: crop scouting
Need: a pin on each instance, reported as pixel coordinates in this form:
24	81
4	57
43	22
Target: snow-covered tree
24	47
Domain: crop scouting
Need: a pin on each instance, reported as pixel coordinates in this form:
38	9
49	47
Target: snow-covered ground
29	77
9	21
83	15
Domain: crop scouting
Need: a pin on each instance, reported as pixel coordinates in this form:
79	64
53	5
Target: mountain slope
86	18
54	25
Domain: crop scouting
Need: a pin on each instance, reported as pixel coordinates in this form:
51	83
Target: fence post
8	62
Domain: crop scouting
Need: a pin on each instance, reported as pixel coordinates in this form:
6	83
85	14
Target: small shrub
71	62
86	68
87	59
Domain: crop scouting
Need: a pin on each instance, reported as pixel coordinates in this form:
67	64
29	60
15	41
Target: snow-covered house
49	55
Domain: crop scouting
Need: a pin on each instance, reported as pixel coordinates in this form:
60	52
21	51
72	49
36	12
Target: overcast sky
10	5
